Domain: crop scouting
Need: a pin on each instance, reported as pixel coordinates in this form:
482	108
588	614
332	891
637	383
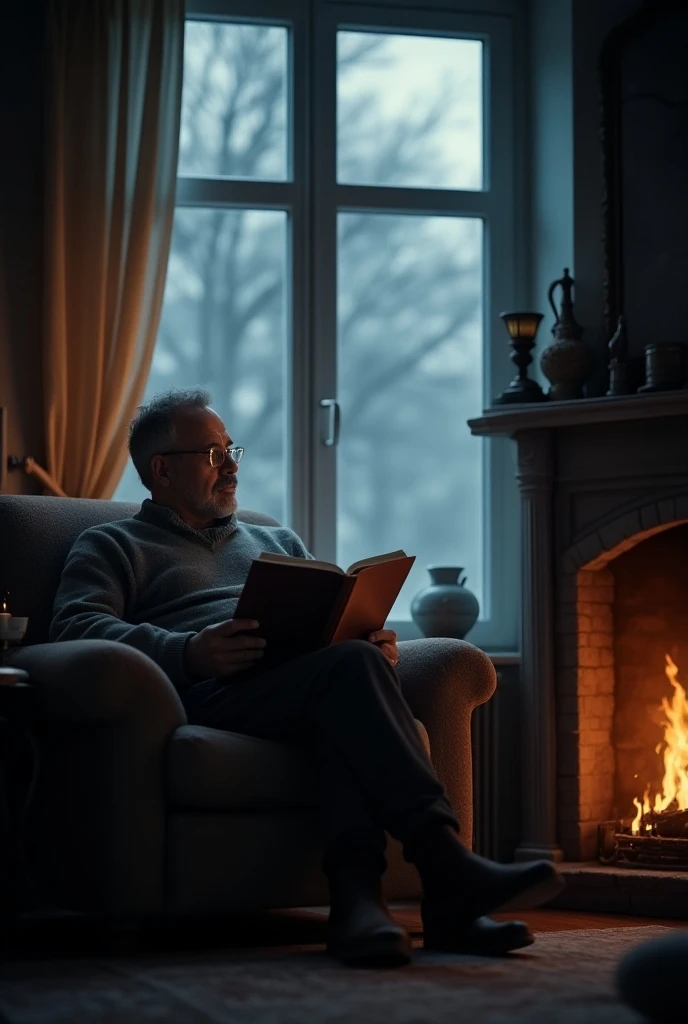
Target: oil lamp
522	328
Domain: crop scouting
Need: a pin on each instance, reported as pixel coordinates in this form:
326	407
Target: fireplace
604	542
631	719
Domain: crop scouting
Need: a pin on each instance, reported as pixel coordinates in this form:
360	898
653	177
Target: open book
303	605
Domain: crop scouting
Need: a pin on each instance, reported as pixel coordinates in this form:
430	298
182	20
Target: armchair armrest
443	680
89	681
105	712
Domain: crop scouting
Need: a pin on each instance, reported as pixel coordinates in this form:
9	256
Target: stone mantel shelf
508	420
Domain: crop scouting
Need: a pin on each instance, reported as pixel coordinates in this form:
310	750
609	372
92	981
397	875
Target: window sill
504	657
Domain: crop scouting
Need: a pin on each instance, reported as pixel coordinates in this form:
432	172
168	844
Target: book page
372	596
363	562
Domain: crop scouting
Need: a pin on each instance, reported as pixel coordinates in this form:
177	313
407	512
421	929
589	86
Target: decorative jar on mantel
567	362
446	607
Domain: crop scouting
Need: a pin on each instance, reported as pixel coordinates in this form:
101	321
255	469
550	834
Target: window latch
333	419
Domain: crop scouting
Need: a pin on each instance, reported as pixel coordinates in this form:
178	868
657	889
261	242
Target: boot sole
382	951
538	894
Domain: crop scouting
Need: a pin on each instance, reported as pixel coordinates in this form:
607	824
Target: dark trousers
345	703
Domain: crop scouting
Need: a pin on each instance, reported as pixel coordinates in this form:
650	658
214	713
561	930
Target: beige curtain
115	82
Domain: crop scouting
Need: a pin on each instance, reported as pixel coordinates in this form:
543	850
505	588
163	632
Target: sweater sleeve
96	587
293	545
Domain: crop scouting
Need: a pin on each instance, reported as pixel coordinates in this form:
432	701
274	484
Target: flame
4	603
642	809
675	757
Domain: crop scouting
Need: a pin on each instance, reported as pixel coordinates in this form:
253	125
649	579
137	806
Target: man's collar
161	515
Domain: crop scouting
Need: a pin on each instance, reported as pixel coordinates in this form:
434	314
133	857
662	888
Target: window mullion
453	202
199	191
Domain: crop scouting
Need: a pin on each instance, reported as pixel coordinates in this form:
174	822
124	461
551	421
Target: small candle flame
4	601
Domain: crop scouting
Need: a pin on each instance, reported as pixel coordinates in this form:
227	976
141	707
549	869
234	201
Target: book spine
348	584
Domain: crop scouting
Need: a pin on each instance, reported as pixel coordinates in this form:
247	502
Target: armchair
140	815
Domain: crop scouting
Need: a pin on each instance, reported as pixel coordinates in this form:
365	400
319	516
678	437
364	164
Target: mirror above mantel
644	93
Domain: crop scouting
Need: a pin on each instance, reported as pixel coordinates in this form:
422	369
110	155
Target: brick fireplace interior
631	611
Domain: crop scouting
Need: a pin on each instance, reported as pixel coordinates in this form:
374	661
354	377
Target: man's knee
361	649
361	660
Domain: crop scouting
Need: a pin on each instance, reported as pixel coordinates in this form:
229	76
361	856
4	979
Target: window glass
410	365
223	327
409	110
234	101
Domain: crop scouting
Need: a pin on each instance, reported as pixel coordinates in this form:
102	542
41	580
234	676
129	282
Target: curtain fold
114	104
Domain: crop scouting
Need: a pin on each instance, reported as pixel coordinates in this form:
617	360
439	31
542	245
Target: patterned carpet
565	978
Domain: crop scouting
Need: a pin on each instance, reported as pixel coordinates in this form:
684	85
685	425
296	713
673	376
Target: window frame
312	200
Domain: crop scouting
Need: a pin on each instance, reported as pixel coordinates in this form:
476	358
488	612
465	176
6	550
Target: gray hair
153	429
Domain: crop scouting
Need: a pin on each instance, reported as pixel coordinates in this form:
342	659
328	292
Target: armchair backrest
36	534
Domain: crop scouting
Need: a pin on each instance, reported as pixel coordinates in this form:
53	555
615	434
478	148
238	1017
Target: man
168	580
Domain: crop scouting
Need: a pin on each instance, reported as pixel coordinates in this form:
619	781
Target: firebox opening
632	611
650	636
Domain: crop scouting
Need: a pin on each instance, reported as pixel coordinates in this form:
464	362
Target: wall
551	147
567	191
21	232
593	21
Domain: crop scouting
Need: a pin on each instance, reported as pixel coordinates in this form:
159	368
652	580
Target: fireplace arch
607	643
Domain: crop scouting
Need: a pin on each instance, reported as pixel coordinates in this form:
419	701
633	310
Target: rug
565	978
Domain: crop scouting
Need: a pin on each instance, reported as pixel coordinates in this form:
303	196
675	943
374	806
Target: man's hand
386	640
218	651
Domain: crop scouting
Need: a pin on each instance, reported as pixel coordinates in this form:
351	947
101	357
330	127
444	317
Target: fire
675	781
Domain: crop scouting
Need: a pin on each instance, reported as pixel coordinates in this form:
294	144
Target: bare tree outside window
410	330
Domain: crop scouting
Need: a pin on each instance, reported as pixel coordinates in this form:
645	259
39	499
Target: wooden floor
547	920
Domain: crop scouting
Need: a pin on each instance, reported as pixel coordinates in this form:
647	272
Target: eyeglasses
216	455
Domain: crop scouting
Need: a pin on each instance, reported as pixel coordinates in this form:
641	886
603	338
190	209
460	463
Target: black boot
460	885
360	931
482	937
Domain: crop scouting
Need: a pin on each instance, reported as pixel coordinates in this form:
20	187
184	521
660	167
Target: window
344	234
225	318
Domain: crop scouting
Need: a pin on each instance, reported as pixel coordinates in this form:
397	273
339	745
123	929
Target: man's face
197	491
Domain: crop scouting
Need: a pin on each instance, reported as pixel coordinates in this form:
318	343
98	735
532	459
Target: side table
19	765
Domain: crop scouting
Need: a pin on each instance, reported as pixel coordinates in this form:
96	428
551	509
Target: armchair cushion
214	770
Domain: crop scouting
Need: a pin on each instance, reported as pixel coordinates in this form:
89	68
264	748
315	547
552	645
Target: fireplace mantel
596	476
507	420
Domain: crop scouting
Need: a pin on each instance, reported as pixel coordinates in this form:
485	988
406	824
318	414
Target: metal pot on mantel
567	362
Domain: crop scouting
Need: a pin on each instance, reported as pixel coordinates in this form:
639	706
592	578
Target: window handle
333	420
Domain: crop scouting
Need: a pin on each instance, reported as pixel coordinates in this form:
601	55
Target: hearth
604	514
604	485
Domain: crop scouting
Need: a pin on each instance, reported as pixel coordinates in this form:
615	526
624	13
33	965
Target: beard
221	504
225	502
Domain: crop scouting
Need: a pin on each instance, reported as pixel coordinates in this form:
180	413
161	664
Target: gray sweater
152	581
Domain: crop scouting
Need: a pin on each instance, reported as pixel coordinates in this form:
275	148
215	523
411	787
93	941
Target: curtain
115	83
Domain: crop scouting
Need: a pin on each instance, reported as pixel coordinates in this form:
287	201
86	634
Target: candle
5	619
